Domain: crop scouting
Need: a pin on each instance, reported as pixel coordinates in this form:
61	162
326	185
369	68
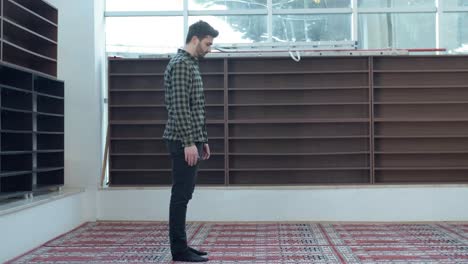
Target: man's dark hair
201	29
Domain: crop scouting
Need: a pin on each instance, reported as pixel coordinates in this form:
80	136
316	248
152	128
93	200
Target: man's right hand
191	155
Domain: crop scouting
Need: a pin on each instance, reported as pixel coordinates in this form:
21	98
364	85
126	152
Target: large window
287	4
144	5
326	27
455	3
143	34
226	4
158	27
396	3
454	31
397	30
237	28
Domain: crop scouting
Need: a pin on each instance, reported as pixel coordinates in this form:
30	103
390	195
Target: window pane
454	32
226	4
144	34
396	3
144	5
288	4
397	31
455	3
311	27
236	29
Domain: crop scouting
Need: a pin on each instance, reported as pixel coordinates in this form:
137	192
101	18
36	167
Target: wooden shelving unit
137	117
32	131
29	35
304	129
298	123
326	120
421	114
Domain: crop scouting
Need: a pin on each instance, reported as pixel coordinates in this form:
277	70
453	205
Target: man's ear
194	40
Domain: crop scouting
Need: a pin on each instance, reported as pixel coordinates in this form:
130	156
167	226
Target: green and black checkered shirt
185	100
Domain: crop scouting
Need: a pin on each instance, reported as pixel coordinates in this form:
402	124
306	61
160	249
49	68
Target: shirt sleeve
205	133
181	83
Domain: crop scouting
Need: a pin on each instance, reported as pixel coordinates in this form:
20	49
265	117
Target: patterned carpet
147	242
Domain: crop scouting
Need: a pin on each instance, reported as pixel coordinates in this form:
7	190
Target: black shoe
188	256
198	252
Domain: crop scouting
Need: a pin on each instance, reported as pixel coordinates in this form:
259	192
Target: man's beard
200	53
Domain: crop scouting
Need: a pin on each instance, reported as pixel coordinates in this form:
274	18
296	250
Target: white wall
79	67
379	203
80	61
26	229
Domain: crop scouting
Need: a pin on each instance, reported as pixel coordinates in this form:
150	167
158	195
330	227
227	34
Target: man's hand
191	155
206	151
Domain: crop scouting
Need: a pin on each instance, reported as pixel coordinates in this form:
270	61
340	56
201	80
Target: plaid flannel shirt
185	100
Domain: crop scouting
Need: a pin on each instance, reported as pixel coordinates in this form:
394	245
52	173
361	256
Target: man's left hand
206	151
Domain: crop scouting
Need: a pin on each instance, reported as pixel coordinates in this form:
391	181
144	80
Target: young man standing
185	133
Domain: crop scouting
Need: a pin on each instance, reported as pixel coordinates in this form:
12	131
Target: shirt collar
187	55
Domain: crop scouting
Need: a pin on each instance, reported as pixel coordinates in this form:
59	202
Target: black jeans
183	185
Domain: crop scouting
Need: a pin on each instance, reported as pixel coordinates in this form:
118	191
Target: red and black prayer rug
266	243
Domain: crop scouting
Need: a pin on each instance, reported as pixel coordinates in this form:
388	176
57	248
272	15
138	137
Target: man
185	133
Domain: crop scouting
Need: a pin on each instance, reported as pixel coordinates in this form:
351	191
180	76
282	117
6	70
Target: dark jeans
183	185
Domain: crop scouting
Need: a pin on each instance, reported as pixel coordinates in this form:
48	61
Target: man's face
204	46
